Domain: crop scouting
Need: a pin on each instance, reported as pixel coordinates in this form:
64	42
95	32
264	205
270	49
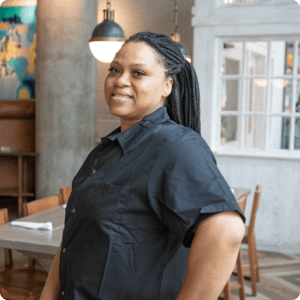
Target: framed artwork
17	52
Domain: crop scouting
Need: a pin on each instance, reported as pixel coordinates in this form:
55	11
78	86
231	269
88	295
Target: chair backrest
242	202
3	216
255	207
7	252
64	194
40	205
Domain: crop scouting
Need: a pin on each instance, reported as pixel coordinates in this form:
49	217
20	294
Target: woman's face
136	85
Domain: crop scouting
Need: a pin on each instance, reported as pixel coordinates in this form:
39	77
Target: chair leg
227	293
256	259
252	266
31	263
241	275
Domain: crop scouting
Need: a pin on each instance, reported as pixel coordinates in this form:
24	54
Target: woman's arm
51	289
212	256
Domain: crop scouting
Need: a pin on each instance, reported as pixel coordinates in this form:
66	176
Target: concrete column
65	91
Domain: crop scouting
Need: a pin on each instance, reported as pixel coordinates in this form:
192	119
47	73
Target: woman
150	216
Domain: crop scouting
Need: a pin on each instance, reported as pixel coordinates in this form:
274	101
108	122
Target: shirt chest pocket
101	202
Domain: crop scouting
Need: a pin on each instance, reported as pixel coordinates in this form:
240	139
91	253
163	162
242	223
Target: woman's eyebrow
132	65
139	65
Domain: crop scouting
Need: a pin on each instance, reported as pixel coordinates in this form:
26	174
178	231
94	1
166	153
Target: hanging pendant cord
176	15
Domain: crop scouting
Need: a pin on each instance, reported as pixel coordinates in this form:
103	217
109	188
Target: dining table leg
20	186
44	259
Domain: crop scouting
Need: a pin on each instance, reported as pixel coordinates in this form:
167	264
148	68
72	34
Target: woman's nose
122	79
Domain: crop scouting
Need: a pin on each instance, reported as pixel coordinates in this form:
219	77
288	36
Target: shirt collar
128	138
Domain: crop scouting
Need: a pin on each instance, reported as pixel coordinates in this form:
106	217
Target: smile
122	96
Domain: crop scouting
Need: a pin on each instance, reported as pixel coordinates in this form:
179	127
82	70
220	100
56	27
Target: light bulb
105	51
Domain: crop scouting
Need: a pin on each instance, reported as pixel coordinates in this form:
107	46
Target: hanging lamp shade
107	38
184	51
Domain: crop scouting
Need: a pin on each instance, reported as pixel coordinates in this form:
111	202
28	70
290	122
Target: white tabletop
43	241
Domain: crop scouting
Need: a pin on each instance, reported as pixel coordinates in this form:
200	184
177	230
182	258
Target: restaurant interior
55	57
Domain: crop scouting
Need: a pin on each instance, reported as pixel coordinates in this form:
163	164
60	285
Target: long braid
183	103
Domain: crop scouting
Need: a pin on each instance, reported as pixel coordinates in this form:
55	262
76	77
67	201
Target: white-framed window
259	95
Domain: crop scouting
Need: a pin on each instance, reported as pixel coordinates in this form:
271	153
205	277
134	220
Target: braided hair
183	104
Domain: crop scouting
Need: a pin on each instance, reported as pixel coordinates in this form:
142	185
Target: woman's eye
112	69
139	73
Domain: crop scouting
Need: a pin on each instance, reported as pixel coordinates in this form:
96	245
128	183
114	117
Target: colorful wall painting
17	52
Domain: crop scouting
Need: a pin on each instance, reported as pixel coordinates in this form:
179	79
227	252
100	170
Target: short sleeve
185	183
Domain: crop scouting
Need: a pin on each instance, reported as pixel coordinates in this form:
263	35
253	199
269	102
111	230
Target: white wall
278	221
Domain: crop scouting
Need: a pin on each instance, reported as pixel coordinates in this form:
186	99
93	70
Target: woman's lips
121	98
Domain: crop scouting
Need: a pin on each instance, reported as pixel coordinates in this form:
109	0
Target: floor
280	273
279	277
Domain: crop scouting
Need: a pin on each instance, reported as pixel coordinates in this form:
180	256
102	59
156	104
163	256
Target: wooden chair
239	268
40	205
249	239
19	282
33	207
64	194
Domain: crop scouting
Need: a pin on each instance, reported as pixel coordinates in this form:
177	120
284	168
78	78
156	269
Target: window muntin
259	95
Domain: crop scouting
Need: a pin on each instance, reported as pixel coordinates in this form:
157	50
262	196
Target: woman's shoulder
176	131
183	141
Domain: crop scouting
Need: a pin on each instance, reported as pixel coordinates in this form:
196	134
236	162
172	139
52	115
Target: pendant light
176	36
107	37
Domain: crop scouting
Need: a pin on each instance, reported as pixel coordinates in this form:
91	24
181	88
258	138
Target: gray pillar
65	91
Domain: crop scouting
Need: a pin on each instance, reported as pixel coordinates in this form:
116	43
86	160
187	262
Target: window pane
257	58
298	97
281	95
282	58
297	134
229	131
256	94
232	58
279	132
230	94
255	131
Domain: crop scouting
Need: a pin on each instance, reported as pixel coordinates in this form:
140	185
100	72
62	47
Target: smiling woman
132	93
149	192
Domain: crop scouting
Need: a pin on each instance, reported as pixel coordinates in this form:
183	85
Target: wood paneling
17	130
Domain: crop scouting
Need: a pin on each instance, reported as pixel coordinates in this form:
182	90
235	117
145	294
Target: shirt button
64	250
63	293
73	210
94	171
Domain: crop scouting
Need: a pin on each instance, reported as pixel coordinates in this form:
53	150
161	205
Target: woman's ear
168	87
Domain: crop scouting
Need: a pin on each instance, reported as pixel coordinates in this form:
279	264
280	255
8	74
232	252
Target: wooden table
22	190
36	243
43	244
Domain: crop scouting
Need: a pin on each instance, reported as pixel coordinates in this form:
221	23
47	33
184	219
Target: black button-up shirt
134	204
